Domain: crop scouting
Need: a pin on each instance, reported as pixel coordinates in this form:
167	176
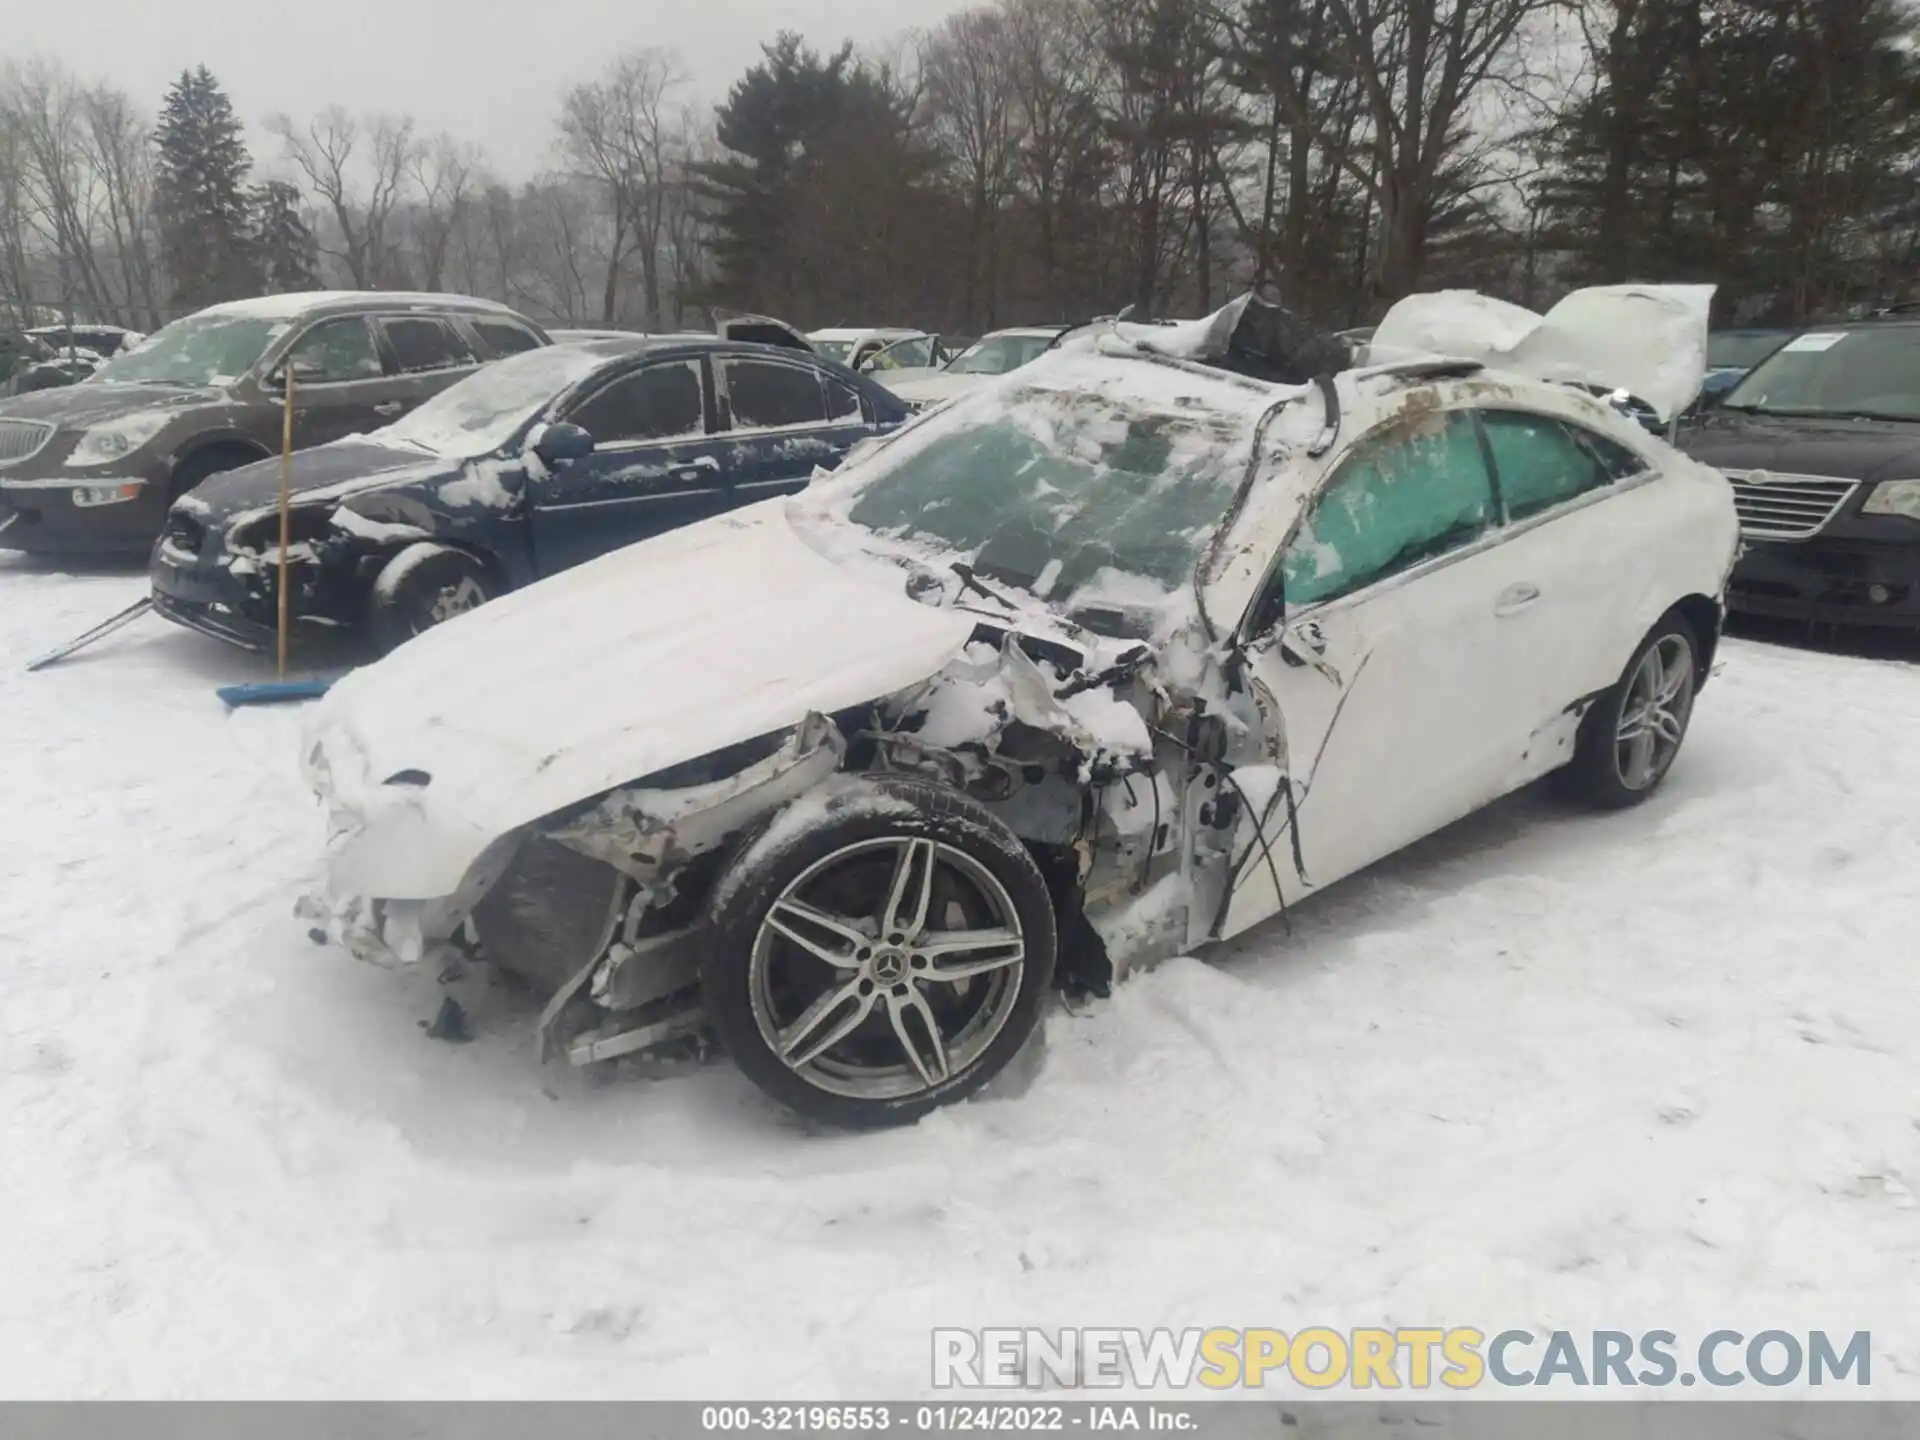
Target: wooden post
286	518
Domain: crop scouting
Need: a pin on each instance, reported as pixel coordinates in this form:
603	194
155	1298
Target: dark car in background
1732	353
1821	441
20	353
72	353
92	467
103	342
526	469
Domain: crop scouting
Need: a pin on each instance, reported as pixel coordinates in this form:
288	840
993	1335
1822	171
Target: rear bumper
1837	582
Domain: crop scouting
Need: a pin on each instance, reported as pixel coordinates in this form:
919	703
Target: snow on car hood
647	657
927	388
1650	340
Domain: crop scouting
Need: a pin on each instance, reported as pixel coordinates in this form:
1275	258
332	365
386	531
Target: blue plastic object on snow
273	692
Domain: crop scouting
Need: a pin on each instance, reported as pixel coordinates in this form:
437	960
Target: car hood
75	407
324	472
1790	445
1649	340
905	374
928	388
656	654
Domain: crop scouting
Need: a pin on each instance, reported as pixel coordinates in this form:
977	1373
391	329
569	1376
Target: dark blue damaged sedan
532	465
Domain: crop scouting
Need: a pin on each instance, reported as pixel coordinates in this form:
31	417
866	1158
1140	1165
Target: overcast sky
489	71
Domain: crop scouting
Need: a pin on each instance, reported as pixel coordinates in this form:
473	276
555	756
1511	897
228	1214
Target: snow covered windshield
481	413
1079	493
199	350
1872	371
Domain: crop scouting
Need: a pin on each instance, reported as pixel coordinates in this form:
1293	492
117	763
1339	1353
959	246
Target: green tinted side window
1540	461
1399	499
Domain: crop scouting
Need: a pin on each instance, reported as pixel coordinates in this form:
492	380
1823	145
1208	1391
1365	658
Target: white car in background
855	348
1116	656
990	355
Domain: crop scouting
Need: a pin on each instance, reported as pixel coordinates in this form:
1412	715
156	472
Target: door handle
701	467
1516	598
389	407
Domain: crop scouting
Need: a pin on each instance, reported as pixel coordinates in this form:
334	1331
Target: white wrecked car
1121	654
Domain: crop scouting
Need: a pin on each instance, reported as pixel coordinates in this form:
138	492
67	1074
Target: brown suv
92	467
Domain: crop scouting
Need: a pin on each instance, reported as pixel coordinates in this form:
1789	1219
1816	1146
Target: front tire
195	468
423	586
1630	738
879	955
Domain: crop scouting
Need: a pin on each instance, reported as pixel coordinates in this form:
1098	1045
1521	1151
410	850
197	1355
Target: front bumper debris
641	984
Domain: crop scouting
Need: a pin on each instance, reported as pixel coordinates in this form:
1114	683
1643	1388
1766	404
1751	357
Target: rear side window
503	337
660	402
766	394
422	343
1542	462
336	350
1616	459
843	403
1398	500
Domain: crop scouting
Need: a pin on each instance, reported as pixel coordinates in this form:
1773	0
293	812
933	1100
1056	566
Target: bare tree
1054	76
116	143
687	228
359	171
444	173
1424	69
558	214
617	132
967	64
58	191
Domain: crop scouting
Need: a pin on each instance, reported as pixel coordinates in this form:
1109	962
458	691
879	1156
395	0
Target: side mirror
561	441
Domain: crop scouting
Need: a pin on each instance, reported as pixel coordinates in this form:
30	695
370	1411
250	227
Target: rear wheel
1630	738
880	955
423	586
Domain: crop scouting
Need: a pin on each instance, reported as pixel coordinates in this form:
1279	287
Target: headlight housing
1894	497
104	443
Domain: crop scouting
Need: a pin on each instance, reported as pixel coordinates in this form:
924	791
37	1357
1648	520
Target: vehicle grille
20	439
1786	507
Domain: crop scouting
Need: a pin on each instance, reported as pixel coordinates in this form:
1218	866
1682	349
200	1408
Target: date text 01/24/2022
986	1419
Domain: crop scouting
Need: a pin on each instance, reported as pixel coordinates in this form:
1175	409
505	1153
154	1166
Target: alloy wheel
887	968
1654	714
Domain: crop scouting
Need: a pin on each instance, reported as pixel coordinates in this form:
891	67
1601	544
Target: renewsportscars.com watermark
1406	1358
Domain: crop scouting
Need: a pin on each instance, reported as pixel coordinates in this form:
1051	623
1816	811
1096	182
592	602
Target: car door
1371	648
654	466
425	354
783	417
1579	510
341	380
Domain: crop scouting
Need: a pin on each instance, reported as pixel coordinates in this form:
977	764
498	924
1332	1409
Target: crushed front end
1118	784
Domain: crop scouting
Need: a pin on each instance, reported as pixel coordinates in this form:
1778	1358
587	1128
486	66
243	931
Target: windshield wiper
1802	412
970	581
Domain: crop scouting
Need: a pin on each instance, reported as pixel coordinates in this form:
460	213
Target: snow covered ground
1660	1069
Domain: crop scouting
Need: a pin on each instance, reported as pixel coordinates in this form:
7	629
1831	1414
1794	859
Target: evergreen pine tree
200	196
285	253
